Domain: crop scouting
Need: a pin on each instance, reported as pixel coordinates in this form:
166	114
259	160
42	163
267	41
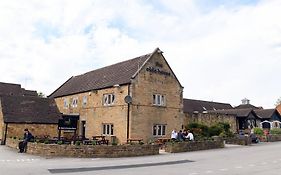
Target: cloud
223	51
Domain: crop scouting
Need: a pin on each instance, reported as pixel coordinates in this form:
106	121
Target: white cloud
225	54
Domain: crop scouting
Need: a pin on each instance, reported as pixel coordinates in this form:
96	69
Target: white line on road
239	167
224	169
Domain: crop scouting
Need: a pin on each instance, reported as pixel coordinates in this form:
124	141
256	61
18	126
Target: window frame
108	99
159	130
74	102
66	103
84	101
107	129
159	100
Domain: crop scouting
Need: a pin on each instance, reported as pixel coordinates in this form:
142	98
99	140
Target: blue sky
220	50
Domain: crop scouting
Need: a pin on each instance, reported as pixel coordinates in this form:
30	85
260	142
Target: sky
220	50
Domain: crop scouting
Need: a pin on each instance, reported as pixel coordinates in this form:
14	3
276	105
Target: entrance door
83	129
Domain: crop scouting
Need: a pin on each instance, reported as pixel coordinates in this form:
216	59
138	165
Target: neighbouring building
137	98
200	111
278	108
20	109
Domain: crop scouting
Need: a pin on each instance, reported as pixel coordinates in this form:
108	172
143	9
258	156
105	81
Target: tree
278	102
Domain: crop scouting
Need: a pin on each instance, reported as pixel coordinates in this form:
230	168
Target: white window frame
84	101
159	130
108	99
107	129
74	102
159	100
65	102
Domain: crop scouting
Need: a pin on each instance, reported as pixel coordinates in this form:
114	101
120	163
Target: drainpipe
5	136
128	116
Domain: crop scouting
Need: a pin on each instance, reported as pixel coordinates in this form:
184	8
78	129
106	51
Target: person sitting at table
189	136
174	135
180	136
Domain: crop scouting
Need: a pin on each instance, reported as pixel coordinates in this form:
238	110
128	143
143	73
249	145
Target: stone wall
87	151
177	147
2	128
211	119
17	130
273	138
239	140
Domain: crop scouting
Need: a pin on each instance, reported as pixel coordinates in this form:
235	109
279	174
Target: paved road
261	159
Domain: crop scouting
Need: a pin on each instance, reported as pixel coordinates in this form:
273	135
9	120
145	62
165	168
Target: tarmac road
259	159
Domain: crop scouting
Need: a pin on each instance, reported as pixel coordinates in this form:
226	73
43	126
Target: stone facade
17	130
143	114
212	119
279	109
87	151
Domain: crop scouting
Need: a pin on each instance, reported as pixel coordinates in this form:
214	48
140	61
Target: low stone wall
273	138
87	151
178	147
239	140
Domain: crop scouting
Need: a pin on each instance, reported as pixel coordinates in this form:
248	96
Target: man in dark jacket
27	137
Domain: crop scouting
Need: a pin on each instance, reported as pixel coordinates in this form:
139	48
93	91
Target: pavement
263	158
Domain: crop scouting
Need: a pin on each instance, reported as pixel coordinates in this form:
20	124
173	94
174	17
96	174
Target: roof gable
265	113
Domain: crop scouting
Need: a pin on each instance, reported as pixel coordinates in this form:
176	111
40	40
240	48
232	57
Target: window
107	129
159	130
159	100
65	103
84	101
74	102
108	99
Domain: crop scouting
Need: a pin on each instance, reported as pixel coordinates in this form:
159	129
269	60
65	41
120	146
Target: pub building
140	98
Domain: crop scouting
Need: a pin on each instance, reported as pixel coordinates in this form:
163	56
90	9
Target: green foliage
46	141
275	131
258	131
201	131
77	143
94	142
60	142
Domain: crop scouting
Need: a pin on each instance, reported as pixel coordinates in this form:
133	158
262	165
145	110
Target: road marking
239	167
224	169
208	172
20	160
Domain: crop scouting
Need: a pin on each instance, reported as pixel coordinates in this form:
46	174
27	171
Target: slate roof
237	112
191	105
120	73
246	106
15	89
265	113
29	109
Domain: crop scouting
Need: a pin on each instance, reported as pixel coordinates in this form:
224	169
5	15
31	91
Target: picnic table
100	139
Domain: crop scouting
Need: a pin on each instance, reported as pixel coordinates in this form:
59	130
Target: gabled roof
237	112
191	105
29	109
265	113
246	106
120	73
15	89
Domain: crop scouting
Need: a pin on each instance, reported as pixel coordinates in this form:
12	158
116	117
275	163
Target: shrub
275	131
258	131
77	143
46	141
215	130
59	142
94	142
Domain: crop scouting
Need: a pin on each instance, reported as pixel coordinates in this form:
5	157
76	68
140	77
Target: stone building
20	109
203	112
137	98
